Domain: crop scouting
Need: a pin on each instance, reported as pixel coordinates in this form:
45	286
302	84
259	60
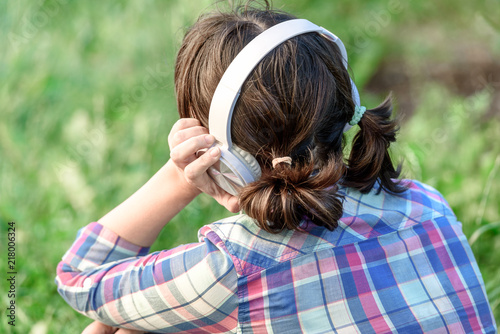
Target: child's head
295	104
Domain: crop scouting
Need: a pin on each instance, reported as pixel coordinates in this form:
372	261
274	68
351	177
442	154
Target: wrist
178	180
141	217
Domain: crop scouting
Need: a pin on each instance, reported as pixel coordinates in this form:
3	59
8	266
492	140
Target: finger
183	123
185	153
195	172
185	134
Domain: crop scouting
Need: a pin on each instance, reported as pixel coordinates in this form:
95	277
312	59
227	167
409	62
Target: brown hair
295	103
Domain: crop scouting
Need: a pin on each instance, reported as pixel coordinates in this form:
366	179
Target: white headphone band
228	90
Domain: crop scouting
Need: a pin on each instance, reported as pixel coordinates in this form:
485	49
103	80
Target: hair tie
358	113
287	160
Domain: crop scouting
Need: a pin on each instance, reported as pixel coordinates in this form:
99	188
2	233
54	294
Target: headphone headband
229	88
237	168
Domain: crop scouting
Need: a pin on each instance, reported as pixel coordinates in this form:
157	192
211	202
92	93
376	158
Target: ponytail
369	160
285	195
297	100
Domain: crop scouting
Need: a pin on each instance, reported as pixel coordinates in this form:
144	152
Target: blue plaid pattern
396	264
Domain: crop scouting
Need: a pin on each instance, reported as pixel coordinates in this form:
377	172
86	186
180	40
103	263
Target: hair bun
284	195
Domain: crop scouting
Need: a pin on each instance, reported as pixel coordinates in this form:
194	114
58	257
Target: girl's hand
186	139
99	328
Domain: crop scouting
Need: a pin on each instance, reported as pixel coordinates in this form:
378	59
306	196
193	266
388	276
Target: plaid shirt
396	263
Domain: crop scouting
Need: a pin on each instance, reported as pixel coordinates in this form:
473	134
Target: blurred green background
87	101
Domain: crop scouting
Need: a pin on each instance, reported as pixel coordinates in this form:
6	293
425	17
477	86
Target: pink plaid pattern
396	263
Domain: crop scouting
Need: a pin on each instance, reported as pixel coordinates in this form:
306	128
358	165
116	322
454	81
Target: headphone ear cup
249	161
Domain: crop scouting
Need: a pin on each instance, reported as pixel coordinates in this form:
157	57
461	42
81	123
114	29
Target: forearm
141	217
111	280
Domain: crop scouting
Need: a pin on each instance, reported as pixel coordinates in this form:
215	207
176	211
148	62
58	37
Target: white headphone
237	167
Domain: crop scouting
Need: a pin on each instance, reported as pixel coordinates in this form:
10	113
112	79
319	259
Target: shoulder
418	203
423	195
365	216
253	249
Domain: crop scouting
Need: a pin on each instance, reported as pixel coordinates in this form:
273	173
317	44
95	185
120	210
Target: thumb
129	331
230	202
98	328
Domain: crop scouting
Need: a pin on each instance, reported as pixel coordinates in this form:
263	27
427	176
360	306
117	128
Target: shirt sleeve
185	289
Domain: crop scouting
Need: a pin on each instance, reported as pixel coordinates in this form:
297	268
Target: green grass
87	101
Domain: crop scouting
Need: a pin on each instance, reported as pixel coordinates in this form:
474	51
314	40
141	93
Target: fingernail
209	139
214	151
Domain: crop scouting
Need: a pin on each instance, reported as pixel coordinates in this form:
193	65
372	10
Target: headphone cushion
249	161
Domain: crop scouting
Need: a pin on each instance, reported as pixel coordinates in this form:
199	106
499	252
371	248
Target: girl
326	243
